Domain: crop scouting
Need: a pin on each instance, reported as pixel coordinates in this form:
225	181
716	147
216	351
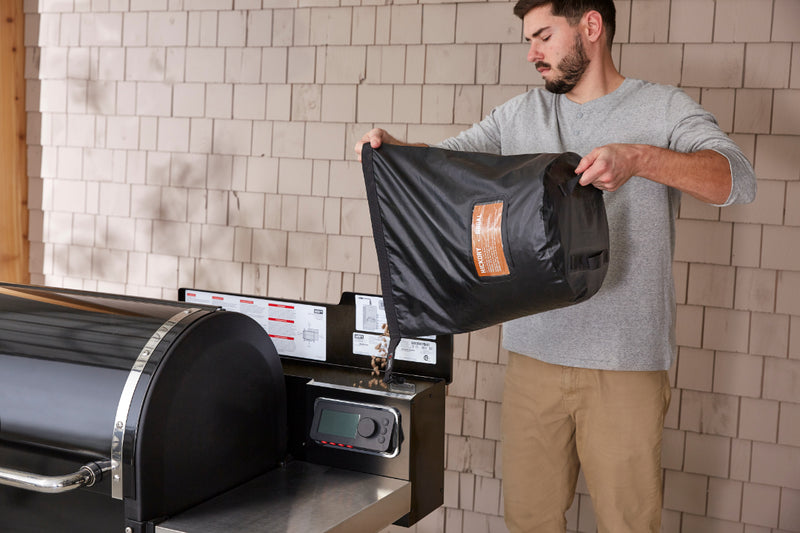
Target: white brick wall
209	143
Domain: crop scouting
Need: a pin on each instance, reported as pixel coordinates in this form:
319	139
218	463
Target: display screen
338	423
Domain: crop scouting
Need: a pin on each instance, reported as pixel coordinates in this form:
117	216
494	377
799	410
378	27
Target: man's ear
593	25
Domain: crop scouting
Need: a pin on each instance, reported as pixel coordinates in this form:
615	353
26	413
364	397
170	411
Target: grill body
181	402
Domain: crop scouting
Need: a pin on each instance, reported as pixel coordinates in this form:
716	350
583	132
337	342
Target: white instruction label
296	330
414	350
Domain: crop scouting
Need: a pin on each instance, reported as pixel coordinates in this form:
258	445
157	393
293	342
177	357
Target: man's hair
573	10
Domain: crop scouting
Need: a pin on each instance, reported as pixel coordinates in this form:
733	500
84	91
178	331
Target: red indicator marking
282	305
246	301
282	337
281	320
191	294
217	298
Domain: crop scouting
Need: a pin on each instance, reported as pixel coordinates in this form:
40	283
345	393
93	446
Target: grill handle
86	476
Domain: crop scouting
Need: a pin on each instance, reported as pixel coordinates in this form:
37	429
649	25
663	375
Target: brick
464	378
262	174
715	65
487	23
450	64
407	103
755	289
724	499
306	102
306	250
345	64
487	495
363	25
781	379
703	241
216	242
287	139
685	492
792	209
355	217
344	253
711	285
738	374
174	202
489	384
789	424
649	21
167	28
789	510
710	414
692	208
769	334
777	251
279	99
101	29
785	12
510	68
246	209
406	24
753	111
483	344
794	337
695	369
743	21
243	65
372	103
707	454
794	80
672	446
437	104
720	102
269	247
474	417
766	65
467	108
758	420
760	504
689	325
746	247
786	112
658	63
325	140
273	65
338	103
330	26
438	23
205	64
726	329
778	157
691	21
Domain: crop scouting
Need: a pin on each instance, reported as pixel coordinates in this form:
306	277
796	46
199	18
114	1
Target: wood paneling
13	176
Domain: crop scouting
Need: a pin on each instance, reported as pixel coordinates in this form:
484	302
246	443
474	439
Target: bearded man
587	386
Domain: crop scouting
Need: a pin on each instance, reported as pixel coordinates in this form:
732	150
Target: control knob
366	427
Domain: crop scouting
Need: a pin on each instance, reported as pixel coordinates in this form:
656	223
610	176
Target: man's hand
609	167
375	138
706	174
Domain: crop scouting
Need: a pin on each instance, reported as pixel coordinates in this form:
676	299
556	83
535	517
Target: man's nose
534	54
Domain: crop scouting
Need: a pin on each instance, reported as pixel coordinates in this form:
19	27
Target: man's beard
572	67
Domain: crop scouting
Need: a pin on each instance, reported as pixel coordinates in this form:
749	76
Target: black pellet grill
217	413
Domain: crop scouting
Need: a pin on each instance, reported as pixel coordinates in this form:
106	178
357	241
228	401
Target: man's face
554	42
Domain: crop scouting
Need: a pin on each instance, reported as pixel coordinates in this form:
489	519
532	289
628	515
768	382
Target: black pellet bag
467	240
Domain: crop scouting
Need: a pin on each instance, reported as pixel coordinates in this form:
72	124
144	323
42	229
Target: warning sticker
487	240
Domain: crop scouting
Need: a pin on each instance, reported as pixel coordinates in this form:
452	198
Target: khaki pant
558	419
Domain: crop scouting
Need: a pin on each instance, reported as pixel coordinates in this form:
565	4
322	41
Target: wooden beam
14	246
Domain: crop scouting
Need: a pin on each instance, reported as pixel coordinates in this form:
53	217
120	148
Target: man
586	386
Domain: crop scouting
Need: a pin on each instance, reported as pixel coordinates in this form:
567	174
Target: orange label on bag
487	240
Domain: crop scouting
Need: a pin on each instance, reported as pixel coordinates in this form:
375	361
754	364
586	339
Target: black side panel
214	417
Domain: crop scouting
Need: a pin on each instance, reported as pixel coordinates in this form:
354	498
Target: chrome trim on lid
125	399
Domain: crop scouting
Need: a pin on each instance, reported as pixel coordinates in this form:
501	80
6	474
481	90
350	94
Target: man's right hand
375	137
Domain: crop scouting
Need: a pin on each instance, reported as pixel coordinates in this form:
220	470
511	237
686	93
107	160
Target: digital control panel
355	426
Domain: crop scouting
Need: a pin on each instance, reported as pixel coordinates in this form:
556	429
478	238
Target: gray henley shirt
630	323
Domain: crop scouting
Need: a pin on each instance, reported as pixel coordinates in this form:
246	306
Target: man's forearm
706	174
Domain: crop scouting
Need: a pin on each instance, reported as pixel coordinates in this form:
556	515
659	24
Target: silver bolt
128	529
